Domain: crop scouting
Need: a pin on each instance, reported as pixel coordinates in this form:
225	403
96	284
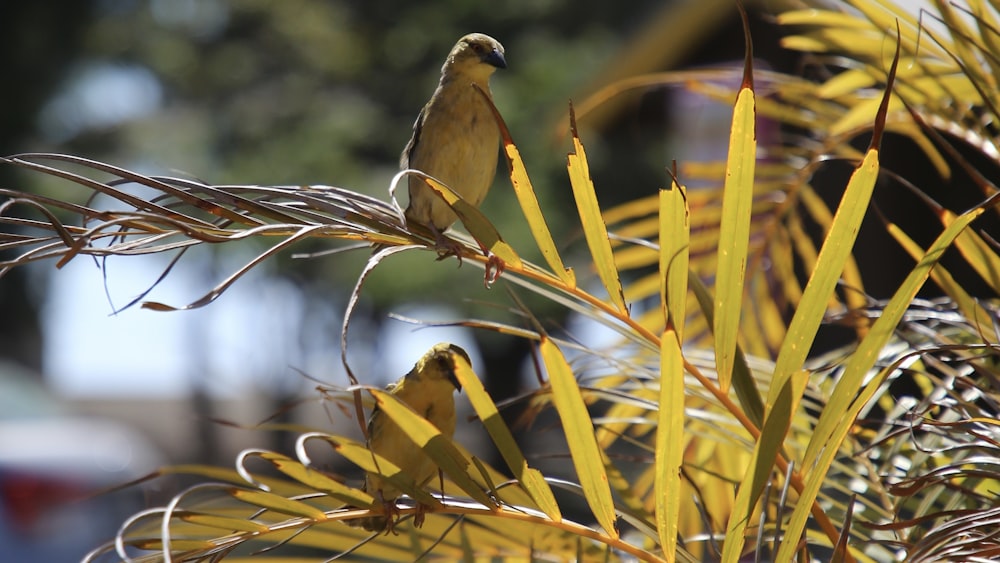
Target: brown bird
455	137
427	389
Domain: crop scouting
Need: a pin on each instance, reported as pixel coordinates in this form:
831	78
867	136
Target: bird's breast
459	142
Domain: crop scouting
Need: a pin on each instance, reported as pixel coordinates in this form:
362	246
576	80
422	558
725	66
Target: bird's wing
404	160
375	423
377	420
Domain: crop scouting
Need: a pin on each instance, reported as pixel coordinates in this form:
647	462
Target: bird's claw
390	518
386	520
391	513
420	515
446	246
494	269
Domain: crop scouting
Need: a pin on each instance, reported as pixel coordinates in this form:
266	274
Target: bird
427	389
455	137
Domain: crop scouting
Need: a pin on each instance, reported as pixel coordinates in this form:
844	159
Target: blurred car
55	472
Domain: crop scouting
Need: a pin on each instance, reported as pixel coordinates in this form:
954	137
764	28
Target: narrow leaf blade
734	234
316	480
594	229
276	503
531	479
849	396
529	202
782	406
833	257
579	429
675	239
669	443
478	225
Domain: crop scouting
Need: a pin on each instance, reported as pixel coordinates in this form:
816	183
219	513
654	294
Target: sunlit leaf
587	456
970	307
531	479
827	271
371	462
529	202
743	380
224	523
734	234
675	236
980	255
849	396
594	229
277	503
476	222
314	479
782	405
669	441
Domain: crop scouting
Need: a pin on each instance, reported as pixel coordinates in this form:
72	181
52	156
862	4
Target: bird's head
476	55
439	363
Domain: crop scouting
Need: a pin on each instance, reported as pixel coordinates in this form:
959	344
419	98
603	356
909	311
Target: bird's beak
496	59
454	380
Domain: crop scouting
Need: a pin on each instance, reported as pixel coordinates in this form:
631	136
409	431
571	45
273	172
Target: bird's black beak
496	59
454	379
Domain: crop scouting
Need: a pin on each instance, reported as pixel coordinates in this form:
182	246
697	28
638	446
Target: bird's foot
446	246
420	515
384	522
390	518
494	268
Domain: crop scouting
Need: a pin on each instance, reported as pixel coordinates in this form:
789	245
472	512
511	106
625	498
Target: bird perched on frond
455	137
427	389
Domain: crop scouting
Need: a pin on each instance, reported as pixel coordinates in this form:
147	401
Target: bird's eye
478	48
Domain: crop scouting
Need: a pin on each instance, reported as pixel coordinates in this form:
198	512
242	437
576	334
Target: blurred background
293	92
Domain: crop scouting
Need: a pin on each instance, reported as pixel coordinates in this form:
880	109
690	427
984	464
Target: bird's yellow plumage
455	137
427	389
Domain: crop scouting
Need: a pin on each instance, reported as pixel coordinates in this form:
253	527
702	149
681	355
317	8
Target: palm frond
705	431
